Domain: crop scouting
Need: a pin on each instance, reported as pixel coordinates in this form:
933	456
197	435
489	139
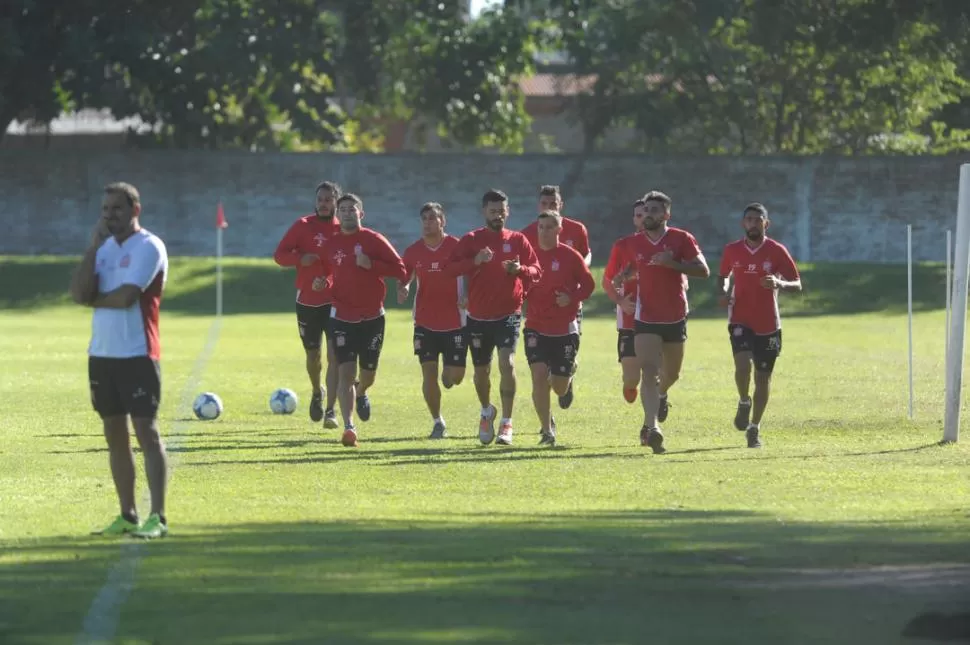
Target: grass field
849	524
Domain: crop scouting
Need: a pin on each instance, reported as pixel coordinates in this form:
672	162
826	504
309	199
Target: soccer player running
574	235
622	294
663	255
300	248
760	268
358	259
439	315
501	266
551	328
121	276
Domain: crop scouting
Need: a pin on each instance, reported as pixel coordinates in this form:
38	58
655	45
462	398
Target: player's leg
507	337
672	360
766	351
106	400
562	366
454	358
741	347
649	350
629	365
482	346
371	341
142	398
329	416
345	351
541	399
308	319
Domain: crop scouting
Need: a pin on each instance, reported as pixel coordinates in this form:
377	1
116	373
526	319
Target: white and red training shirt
142	261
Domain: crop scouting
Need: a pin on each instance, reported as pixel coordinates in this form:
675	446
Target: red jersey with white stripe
436	294
661	291
620	257
753	305
140	260
573	234
563	270
493	294
358	293
307	235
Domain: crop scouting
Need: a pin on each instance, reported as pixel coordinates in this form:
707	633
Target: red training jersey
573	234
754	306
358	293
493	293
662	292
563	270
436	293
307	235
620	258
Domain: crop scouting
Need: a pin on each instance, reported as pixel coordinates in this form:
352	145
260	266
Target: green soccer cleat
152	528
119	526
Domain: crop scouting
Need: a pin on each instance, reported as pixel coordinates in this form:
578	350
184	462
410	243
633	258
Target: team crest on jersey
357	249
506	248
435	267
569	243
319	238
338	257
555	265
125	261
767	266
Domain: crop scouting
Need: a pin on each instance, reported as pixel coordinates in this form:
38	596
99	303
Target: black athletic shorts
668	332
487	335
121	386
451	345
765	348
557	352
361	341
314	324
624	344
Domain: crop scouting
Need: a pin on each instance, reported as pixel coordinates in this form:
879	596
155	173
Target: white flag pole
909	308
958	317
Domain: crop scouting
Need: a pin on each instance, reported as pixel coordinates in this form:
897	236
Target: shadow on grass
661	576
255	286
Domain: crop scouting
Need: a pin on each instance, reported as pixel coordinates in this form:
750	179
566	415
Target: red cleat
349	439
630	394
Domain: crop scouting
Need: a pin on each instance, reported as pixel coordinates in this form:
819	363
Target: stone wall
824	209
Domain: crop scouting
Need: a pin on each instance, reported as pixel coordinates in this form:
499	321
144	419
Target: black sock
131	517
162	518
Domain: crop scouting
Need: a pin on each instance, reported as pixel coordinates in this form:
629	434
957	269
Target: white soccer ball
207	406
283	401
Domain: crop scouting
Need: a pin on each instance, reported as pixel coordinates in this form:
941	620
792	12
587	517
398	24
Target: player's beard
326	216
755	236
496	224
653	224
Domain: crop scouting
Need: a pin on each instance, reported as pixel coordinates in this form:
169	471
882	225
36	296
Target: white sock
440	420
753	426
487	410
506	420
746	401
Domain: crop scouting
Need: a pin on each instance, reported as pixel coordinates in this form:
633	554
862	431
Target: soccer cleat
653	438
438	432
349	438
743	415
330	419
505	434
153	528
316	406
630	394
486	427
752	436
548	438
363	407
663	410
566	399
119	526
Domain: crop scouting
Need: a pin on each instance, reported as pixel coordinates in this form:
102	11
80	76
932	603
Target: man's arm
387	262
586	282
288	252
146	264
613	267
84	281
462	259
121	298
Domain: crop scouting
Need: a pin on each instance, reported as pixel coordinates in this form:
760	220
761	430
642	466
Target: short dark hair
757	207
435	208
350	197
550	215
657	196
126	189
550	191
494	195
640	202
332	186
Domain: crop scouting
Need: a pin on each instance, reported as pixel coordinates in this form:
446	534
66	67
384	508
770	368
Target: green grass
847	525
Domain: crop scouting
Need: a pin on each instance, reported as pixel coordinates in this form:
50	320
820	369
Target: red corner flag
221	217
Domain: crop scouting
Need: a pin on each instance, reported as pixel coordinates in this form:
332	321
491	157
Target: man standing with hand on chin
501	266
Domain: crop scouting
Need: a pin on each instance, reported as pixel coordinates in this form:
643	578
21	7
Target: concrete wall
824	209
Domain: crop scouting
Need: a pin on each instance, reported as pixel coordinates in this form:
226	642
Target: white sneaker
486	426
